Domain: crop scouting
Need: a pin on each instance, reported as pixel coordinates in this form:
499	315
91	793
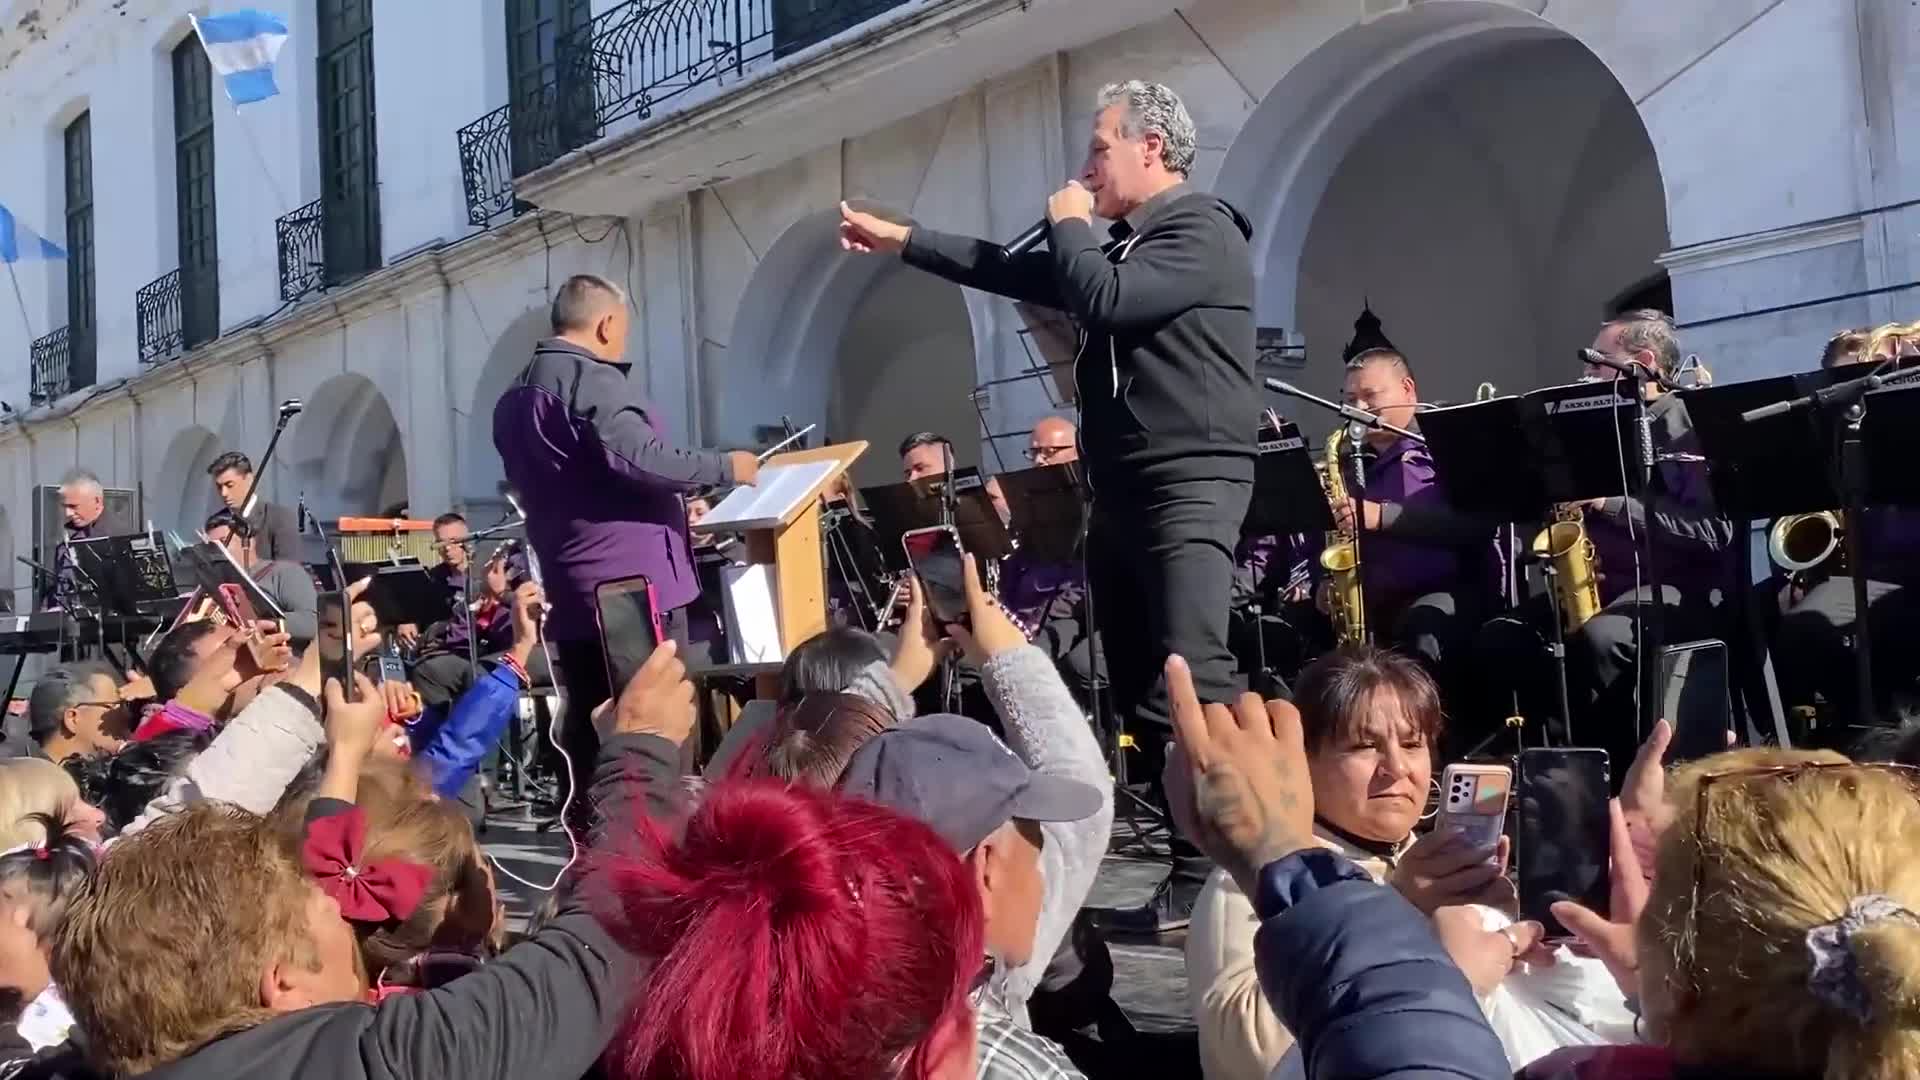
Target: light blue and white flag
19	243
241	47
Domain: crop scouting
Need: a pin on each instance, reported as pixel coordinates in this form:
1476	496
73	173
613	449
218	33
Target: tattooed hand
1236	778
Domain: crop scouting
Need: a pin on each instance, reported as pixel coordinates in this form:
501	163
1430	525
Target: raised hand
991	631
865	234
1611	938
657	701
1236	778
920	644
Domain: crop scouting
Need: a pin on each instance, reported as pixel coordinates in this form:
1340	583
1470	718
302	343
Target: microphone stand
1848	402
288	410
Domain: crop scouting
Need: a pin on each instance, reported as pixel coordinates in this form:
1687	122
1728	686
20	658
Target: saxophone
1341	557
1576	577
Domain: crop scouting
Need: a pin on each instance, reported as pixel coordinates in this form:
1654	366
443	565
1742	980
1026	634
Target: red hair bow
366	892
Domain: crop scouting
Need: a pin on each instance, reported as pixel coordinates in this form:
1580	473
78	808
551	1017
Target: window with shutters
82	323
349	171
194	193
538	85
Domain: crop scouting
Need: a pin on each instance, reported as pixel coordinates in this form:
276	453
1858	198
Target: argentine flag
241	47
19	243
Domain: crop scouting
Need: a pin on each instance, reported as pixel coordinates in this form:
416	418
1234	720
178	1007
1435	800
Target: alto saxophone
1341	557
1576	578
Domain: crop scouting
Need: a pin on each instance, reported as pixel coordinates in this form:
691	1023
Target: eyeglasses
1784	773
1041	453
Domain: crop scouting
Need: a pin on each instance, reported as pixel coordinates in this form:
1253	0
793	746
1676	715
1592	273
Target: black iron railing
49	361
625	62
303	263
160	326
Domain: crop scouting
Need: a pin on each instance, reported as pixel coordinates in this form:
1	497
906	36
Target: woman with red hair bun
799	935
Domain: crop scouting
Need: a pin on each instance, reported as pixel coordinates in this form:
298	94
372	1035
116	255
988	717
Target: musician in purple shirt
1427	570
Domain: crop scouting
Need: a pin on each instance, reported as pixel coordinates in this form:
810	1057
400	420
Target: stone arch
182	486
345	454
480	469
866	347
1527	163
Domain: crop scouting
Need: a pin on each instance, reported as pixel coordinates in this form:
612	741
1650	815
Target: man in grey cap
953	774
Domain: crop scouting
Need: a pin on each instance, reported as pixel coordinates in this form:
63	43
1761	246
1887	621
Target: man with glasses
1055	441
76	710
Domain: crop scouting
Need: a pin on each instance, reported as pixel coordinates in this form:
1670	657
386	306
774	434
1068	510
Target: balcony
51	367
301	237
176	313
685	94
625	63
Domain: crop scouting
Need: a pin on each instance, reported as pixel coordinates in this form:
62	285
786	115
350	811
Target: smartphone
1561	846
629	627
1473	803
935	555
336	652
1694	699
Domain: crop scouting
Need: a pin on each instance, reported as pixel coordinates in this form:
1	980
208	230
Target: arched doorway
865	347
1469	171
480	469
345	454
182	487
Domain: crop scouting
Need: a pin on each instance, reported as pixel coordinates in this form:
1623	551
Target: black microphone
1028	240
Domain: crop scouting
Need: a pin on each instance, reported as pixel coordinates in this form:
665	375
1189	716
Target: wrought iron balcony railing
625	62
302	240
50	358
158	320
177	312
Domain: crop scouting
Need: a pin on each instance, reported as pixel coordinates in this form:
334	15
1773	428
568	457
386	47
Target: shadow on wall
345	454
480	471
9	600
182	495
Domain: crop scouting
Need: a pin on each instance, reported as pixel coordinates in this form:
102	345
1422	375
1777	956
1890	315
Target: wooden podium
787	538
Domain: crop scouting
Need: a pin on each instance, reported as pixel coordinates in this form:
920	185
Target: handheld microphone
1027	241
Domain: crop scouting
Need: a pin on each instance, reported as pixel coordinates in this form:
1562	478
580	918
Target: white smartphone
1473	802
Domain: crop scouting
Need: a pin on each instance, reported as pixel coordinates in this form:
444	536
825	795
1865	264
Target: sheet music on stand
769	501
1287	495
131	573
1049	511
1515	457
897	509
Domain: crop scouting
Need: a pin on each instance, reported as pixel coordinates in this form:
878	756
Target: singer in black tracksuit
1168	414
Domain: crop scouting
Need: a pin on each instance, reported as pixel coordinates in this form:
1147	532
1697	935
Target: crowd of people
255	851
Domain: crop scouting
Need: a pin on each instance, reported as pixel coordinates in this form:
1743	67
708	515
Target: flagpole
21	300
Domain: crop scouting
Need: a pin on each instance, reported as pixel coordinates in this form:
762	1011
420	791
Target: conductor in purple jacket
602	486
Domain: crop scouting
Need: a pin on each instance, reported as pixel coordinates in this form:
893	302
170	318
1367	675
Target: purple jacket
1032	589
1422	546
1891	538
601	486
1690	539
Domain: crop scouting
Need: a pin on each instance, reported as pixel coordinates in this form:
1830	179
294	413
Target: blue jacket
1355	972
601	486
452	740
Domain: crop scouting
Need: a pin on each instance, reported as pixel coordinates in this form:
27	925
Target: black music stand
1287	495
1049	511
897	509
1514	458
1762	469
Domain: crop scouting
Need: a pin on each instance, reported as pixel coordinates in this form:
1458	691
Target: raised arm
634	449
548	1006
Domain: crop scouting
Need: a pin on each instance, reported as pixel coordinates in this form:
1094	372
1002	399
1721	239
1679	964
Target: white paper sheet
753	615
779	490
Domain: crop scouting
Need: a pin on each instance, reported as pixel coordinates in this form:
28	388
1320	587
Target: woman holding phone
1371	718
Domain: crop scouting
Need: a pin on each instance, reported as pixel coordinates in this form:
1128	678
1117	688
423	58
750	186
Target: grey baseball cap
953	774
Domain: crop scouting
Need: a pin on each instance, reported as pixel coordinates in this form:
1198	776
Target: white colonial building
1492	176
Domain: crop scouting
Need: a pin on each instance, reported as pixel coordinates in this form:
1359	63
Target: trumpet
1800	542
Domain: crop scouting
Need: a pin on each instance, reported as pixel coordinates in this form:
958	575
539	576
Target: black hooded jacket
1165	368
